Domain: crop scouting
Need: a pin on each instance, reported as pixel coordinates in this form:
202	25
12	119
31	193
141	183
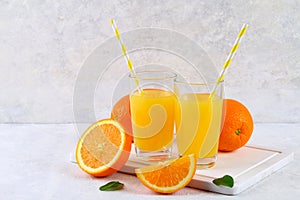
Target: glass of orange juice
153	114
198	121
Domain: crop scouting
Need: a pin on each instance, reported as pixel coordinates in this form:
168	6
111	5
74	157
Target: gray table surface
35	164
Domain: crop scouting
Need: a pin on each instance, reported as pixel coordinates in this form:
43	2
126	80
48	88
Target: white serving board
247	165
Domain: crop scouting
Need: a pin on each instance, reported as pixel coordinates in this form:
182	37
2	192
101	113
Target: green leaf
112	186
224	181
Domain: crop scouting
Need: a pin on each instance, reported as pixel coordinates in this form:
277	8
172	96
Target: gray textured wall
44	43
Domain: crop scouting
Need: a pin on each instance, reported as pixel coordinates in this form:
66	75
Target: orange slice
103	148
168	176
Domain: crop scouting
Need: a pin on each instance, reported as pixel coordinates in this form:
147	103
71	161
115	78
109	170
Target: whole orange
121	113
237	127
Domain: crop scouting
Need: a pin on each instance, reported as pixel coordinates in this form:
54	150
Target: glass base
204	163
156	156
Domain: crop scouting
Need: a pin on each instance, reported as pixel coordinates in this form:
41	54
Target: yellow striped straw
125	54
229	58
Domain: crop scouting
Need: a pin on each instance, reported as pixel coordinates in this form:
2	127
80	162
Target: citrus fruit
103	148
168	176
121	113
237	128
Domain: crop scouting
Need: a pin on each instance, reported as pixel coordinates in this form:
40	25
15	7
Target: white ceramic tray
247	166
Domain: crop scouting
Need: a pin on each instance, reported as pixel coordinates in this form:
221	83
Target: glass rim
170	75
192	83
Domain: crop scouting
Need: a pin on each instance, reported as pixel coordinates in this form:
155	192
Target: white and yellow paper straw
229	58
125	54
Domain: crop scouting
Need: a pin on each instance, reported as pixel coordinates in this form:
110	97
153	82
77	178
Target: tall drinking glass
152	114
198	121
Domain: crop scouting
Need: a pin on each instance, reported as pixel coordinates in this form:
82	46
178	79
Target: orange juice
198	124
152	115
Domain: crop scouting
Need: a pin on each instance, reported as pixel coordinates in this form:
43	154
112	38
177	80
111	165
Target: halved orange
168	176
103	148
